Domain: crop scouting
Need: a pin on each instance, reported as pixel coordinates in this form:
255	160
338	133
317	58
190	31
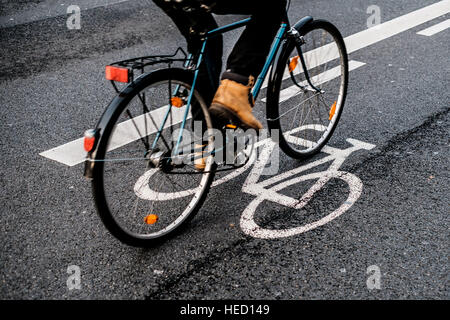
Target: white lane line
72	153
354	42
314	58
376	34
126	131
393	27
319	79
435	29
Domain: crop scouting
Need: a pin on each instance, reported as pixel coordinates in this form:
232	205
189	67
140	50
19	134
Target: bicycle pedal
225	119
230	126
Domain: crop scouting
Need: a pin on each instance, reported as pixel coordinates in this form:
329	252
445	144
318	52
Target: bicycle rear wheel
306	118
143	193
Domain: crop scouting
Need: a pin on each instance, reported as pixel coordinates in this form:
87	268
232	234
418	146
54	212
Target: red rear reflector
89	144
116	74
89	140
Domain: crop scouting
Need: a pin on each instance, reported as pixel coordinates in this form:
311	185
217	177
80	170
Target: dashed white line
381	32
435	29
319	79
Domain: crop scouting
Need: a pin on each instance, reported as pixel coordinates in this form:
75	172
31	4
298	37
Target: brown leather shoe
233	102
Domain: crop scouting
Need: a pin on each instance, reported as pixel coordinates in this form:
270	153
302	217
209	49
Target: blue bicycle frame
257	87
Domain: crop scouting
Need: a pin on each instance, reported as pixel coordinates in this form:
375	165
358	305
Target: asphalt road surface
52	89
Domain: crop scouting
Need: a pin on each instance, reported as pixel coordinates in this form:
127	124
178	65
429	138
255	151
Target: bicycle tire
279	75
110	121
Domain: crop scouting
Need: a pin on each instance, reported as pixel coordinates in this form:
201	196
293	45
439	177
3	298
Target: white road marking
72	153
249	226
435	29
395	26
376	34
269	189
263	192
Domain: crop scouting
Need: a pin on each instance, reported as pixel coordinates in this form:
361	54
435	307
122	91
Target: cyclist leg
250	51
233	100
193	25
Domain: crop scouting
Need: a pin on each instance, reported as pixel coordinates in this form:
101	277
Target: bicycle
145	125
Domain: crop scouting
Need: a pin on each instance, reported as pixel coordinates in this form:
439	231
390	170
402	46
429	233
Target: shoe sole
221	116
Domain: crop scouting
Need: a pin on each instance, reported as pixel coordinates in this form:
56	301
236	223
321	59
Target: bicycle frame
182	81
256	89
274	49
189	62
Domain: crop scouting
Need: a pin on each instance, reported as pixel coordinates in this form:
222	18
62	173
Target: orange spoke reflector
231	126
293	63
151	219
333	110
117	74
176	102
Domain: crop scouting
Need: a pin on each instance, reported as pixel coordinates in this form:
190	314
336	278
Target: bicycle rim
306	117
140	197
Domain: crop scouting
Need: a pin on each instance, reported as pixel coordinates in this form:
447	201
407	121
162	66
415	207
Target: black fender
303	22
282	50
109	117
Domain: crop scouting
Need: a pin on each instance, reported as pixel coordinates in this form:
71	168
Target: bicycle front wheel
145	187
306	113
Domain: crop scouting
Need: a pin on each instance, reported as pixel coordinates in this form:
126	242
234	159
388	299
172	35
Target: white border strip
72	153
319	79
435	29
381	32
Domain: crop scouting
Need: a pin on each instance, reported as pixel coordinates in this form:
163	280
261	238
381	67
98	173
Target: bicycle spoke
144	111
153	121
137	129
313	121
170	114
136	192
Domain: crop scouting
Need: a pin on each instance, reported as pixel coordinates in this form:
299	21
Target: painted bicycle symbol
269	189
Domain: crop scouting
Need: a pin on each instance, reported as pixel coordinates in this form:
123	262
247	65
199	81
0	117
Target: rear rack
140	63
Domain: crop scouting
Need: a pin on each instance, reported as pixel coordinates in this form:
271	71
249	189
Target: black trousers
249	53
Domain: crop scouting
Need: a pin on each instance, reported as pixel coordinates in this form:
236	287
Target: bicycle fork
299	41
